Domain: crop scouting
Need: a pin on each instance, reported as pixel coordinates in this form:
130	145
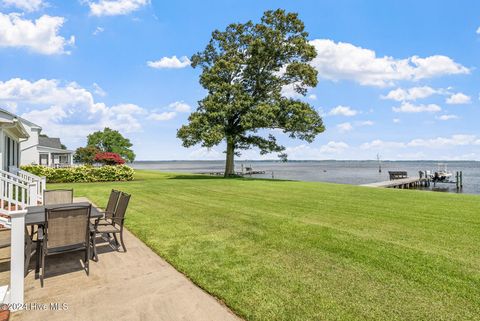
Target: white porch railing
13	294
14	191
16	195
31	178
17	192
27	177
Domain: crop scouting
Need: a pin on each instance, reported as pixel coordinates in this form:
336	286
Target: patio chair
110	209
57	196
116	225
67	229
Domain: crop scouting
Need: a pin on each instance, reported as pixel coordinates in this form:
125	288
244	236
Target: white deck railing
27	177
16	195
31	178
13	294
17	191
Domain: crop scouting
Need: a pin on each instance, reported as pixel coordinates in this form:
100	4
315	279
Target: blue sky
399	78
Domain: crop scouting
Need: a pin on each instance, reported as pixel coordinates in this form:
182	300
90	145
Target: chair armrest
117	220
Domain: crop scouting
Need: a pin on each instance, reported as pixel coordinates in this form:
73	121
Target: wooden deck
136	285
400	183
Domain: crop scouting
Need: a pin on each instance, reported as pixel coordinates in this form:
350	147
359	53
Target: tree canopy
85	155
112	141
244	70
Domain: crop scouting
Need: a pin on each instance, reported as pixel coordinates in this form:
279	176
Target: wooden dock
410	182
236	173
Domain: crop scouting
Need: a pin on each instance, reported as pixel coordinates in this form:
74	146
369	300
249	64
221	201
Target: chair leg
121	240
116	240
43	269
38	258
87	259
94	246
28	251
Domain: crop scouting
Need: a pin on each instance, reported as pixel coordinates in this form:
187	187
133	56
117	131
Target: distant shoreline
309	160
353	172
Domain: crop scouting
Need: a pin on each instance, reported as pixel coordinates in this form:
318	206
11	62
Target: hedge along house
42	150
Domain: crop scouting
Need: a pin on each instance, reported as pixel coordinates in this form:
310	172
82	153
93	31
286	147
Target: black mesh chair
66	229
110	209
115	226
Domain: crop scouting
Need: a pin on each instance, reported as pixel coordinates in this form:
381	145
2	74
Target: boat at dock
442	174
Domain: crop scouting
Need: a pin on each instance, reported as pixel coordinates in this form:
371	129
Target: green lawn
281	250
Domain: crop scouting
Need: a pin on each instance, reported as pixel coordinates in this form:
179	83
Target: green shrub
82	174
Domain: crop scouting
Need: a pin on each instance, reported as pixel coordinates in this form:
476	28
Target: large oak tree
111	141
244	69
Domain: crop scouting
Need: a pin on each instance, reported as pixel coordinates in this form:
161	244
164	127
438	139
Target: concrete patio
136	285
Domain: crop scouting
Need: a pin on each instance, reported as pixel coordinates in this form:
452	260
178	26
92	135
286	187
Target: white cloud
99	90
411	108
180	106
40	36
177	107
347	126
447	117
344	127
333	147
431	143
441	142
115	7
312	97
344	61
167	115
66	109
382	145
396	120
365	123
458	99
26	5
343	111
288	91
478	31
170	62
325	151
413	93
98	30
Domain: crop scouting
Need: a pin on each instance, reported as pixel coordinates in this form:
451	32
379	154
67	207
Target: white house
41	150
12	134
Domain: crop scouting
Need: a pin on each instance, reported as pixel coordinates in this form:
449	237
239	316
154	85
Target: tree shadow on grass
220	177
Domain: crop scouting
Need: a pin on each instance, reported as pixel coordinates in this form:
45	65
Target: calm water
345	172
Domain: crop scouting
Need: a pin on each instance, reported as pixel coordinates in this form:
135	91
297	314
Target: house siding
29	147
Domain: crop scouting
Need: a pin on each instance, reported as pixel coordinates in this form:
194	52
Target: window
43	159
11	153
63	159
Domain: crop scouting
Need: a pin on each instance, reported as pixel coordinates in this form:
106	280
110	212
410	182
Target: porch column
17	257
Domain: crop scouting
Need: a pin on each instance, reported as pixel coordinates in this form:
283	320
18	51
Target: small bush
108	158
82	174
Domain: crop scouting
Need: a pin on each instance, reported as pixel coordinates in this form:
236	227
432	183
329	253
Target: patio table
36	214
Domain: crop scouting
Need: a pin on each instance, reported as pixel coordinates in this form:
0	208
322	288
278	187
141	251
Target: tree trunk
229	165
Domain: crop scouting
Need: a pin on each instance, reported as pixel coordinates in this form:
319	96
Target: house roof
11	121
51	142
29	123
11	115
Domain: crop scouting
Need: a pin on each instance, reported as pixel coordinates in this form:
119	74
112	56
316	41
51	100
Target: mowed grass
283	250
